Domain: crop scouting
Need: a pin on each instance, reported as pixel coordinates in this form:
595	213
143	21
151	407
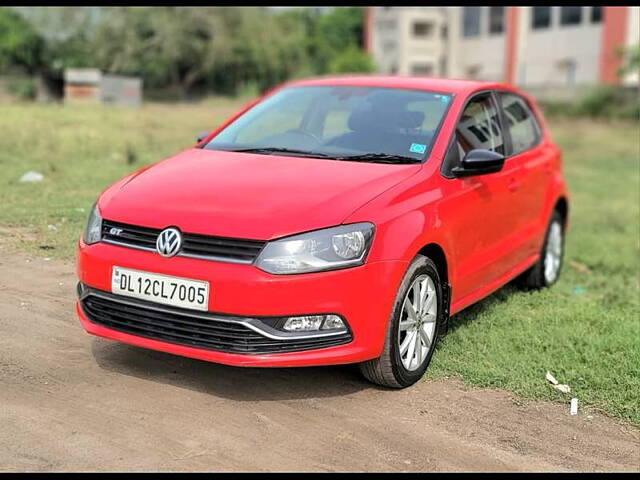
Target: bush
23	88
352	60
247	89
603	101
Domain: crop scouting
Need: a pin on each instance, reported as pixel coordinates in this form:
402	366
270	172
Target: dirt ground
69	401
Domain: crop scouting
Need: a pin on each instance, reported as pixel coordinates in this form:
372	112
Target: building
544	47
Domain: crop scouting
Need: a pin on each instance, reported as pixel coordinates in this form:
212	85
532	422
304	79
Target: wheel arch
562	207
436	253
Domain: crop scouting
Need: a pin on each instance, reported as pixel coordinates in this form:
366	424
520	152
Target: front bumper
362	295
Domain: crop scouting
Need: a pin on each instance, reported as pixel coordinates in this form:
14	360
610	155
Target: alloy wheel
417	326
553	254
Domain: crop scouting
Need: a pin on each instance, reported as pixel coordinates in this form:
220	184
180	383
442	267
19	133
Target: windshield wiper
291	151
364	157
379	158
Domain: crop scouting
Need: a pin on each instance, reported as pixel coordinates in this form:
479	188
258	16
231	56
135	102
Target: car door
524	140
479	210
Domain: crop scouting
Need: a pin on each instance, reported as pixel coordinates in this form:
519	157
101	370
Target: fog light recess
313	323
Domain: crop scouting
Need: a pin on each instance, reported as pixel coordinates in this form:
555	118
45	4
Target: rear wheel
546	271
416	320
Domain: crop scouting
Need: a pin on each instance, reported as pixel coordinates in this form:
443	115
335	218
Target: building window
422	29
541	17
570	15
473	71
596	14
470	21
496	19
421	69
444	31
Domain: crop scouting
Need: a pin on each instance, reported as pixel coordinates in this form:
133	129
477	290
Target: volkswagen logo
169	242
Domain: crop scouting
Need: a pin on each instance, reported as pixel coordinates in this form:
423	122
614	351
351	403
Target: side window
521	122
478	128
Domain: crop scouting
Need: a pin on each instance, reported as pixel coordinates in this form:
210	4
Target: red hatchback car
334	220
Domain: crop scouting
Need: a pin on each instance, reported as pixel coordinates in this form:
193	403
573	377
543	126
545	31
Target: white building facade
527	46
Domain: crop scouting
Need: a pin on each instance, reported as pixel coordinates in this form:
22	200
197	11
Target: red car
334	220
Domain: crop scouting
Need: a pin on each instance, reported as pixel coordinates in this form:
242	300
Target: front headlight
93	230
328	249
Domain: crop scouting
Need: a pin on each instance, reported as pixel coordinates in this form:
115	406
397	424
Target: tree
222	48
165	45
338	30
631	58
352	60
43	42
20	45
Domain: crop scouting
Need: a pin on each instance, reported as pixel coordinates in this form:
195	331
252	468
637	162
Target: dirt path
69	401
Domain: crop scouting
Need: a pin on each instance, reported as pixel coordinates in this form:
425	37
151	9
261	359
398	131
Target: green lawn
585	330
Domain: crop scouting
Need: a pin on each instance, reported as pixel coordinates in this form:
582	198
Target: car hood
244	195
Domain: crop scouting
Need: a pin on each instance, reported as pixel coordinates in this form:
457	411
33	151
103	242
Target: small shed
90	85
82	85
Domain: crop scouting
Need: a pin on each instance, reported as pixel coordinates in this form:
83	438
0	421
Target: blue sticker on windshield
418	148
442	98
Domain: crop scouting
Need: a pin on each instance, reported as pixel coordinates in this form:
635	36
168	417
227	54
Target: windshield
339	122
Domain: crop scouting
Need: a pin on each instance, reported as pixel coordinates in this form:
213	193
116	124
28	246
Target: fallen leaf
581	267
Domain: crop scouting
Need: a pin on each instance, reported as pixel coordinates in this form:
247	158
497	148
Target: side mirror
479	162
201	136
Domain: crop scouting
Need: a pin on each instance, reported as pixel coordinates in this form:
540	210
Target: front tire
417	318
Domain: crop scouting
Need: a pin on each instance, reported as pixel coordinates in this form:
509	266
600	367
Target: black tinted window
496	19
479	127
570	15
521	122
541	17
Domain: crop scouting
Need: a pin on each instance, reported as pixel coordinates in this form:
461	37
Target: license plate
174	291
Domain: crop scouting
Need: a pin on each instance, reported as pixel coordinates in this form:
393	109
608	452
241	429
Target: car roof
434	84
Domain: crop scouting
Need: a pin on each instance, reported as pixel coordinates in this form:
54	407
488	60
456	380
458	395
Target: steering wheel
306	134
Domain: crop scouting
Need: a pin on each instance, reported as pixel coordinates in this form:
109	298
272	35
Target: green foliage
600	101
352	60
183	49
20	45
631	60
338	31
165	45
603	101
223	48
23	88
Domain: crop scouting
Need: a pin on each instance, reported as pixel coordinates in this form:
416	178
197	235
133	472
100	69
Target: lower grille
190	328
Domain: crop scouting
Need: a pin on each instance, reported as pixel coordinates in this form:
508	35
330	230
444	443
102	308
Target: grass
585	330
81	150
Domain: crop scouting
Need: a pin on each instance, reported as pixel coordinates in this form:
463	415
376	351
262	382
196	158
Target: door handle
514	184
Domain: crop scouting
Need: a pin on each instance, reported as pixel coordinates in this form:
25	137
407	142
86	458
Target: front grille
186	327
193	245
